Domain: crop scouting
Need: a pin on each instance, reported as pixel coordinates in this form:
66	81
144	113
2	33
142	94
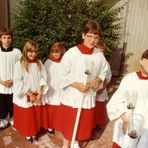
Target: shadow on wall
125	65
117	61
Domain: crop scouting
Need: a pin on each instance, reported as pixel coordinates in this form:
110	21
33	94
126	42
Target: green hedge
48	21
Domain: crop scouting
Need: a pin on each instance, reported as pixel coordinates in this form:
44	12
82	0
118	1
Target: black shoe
34	139
3	124
2	128
51	132
31	139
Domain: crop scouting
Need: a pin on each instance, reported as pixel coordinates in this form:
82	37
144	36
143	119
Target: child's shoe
6	122
3	123
76	145
34	138
51	131
11	121
31	139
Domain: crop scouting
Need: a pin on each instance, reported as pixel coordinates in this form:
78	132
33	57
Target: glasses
92	36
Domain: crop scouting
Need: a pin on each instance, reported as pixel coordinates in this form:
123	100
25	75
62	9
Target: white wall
134	30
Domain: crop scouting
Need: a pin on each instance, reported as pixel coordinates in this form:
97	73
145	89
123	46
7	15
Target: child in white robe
54	93
8	57
82	70
102	95
117	107
30	84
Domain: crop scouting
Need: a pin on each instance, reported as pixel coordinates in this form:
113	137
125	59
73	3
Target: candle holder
135	125
131	97
87	72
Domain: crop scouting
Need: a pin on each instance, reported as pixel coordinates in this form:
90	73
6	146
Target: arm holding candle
80	86
125	122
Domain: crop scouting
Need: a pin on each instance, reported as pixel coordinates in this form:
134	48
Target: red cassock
115	145
100	117
27	120
50	116
65	122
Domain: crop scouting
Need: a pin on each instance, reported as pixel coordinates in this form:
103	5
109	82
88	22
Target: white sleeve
117	104
109	74
43	80
104	68
19	87
47	65
20	54
64	71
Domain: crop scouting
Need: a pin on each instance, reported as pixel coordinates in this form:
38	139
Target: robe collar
141	76
6	50
56	60
32	61
84	49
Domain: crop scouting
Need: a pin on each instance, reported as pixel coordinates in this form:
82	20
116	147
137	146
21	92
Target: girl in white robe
30	84
8	57
54	93
117	107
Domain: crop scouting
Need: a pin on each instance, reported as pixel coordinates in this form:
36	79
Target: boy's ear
83	35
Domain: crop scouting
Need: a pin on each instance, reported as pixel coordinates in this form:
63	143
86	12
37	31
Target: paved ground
9	138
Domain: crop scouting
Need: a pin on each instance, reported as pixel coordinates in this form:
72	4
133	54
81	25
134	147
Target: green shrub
48	21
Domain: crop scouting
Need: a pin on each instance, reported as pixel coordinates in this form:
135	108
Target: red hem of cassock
27	120
50	116
54	116
66	122
44	116
114	145
100	117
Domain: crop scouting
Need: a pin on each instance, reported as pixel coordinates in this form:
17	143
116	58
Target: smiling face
6	41
31	55
56	54
30	51
91	34
57	50
90	39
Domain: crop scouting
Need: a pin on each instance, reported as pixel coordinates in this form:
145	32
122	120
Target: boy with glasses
82	70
